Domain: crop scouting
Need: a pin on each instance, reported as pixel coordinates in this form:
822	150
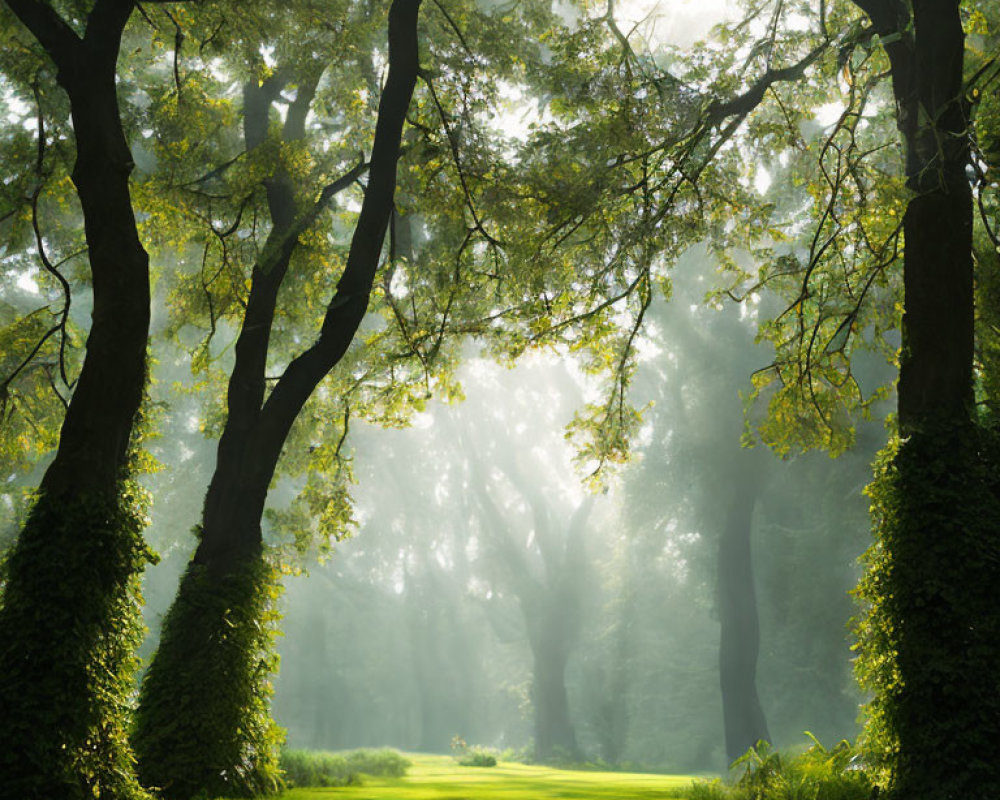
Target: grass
440	778
318	768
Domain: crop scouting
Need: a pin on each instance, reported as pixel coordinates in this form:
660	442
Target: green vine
69	626
929	643
203	726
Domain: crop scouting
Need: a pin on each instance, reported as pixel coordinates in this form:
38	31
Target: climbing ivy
69	626
929	641
213	671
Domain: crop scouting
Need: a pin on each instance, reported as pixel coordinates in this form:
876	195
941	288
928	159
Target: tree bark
739	640
926	53
930	637
67	639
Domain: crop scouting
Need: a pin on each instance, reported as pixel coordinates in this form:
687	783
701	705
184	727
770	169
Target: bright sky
677	22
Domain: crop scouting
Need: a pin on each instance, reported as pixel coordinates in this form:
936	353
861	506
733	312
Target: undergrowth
816	774
321	768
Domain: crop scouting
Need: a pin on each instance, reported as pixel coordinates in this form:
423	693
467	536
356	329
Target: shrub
319	768
478	757
816	774
382	763
520	755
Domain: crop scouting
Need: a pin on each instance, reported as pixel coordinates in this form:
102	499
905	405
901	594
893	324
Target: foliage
828	237
69	627
211	730
320	768
478	756
520	755
930	639
816	774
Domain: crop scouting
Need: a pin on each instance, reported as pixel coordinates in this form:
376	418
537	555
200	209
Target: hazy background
418	629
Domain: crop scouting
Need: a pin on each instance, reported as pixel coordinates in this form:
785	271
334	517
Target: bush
816	774
319	768
478	757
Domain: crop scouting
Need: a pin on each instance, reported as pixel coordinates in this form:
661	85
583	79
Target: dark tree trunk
611	721
931	639
739	639
549	632
69	623
553	619
215	652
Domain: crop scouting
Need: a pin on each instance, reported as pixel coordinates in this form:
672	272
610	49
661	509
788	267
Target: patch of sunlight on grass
440	778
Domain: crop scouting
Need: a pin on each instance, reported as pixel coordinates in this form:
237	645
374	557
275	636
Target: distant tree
739	523
745	723
706	482
410	658
534	547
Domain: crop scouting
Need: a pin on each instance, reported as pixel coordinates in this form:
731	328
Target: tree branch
350	302
744	103
59	39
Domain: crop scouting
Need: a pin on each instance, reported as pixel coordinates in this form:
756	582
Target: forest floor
440	778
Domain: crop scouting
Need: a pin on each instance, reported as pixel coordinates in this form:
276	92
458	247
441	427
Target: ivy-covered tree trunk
203	724
69	621
739	636
930	643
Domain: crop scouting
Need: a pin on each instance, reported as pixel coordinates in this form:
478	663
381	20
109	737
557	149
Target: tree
202	721
739	639
696	420
929	640
548	573
934	556
411	657
69	617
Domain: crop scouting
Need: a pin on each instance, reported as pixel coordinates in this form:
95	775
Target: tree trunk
216	652
612	707
551	610
739	640
69	622
202	724
555	738
930	642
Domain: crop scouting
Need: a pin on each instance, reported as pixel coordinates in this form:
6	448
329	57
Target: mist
510	393
490	594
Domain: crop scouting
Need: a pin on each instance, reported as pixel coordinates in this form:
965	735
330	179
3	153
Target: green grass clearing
440	778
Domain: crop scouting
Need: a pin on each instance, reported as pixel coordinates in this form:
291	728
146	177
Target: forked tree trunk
203	722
